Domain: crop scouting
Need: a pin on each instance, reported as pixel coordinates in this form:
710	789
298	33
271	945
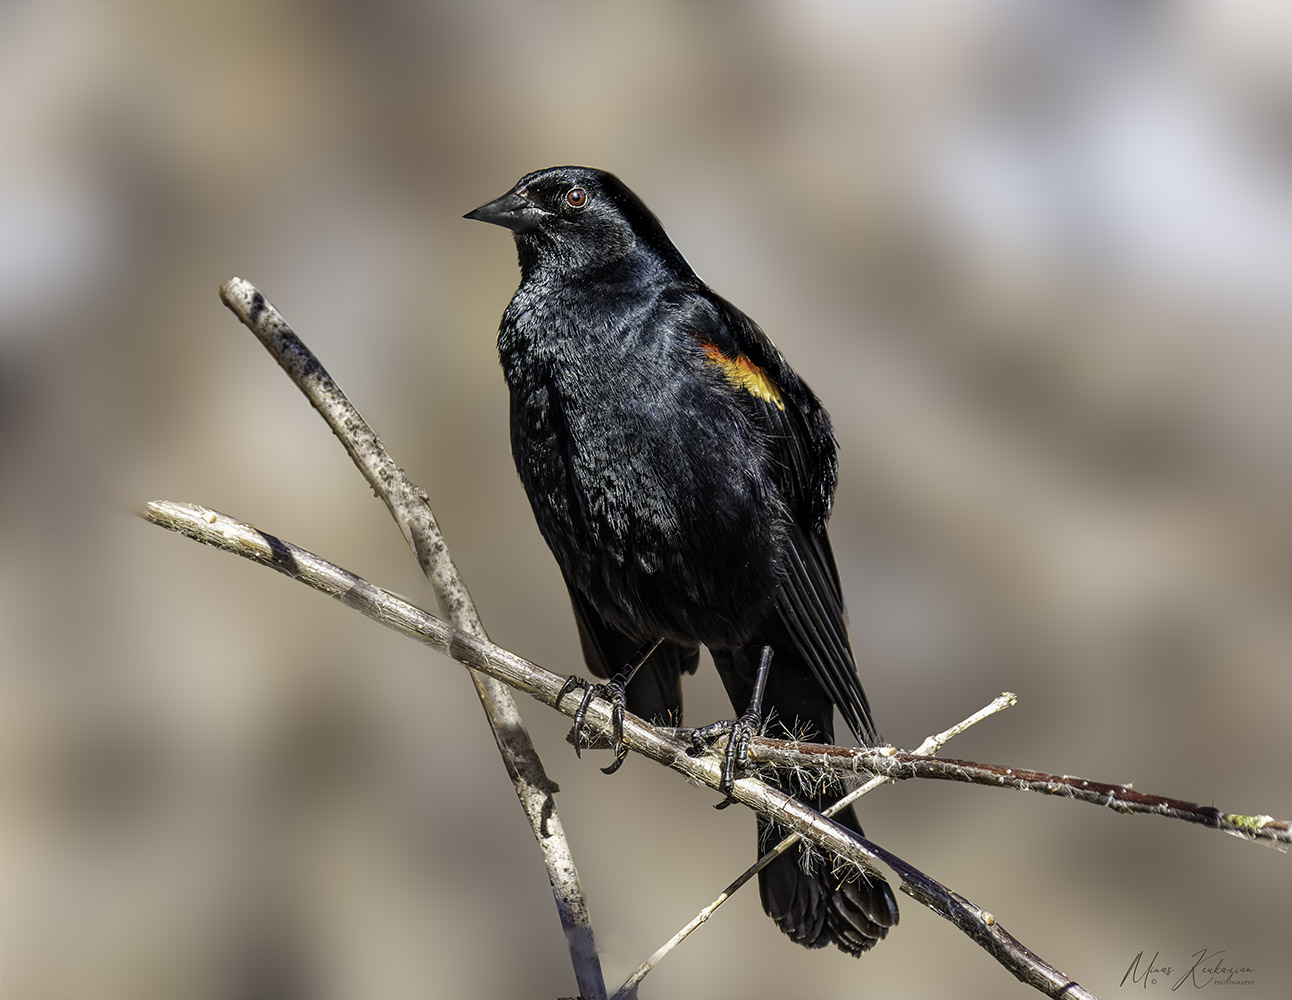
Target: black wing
810	601
810	605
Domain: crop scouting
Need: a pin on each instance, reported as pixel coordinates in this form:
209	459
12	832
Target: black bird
682	474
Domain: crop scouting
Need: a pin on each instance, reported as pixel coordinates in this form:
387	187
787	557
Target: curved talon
733	757
621	755
613	692
736	754
729	762
616	695
704	735
572	683
576	683
738	745
580	717
617	726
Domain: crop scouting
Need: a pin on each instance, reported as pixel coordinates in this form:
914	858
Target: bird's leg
745	728
615	691
740	732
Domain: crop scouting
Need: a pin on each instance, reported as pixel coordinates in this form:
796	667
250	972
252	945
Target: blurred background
1034	260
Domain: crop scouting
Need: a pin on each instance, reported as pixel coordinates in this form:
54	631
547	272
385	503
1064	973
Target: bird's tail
812	897
817	901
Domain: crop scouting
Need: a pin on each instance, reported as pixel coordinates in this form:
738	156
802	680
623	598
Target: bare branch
409	506
1004	700
888	764
929	746
213	528
408	503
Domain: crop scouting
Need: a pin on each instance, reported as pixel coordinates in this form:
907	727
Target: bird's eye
576	197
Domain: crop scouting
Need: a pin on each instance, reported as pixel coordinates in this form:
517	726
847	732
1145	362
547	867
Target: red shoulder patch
744	374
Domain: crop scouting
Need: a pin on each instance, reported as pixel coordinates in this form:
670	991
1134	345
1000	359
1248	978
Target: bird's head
576	218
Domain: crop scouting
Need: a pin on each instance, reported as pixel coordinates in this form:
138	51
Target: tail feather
819	906
815	905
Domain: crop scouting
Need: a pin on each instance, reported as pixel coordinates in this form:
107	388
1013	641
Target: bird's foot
736	757
614	692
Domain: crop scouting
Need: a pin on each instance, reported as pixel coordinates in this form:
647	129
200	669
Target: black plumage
682	474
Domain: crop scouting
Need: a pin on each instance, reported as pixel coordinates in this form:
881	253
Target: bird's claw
614	693
736	757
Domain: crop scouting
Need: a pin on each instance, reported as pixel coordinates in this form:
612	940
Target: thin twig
409	506
888	764
929	746
213	528
1004	700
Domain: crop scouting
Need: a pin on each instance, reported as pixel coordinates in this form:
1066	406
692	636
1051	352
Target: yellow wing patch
743	373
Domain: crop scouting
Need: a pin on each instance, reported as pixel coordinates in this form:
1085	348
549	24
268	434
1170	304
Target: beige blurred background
1036	263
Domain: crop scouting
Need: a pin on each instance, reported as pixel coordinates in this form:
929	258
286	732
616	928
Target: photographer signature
1206	968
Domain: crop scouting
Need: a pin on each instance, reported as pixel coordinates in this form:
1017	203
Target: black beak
511	211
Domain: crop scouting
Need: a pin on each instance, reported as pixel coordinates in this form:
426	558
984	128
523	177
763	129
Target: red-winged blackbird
682	474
